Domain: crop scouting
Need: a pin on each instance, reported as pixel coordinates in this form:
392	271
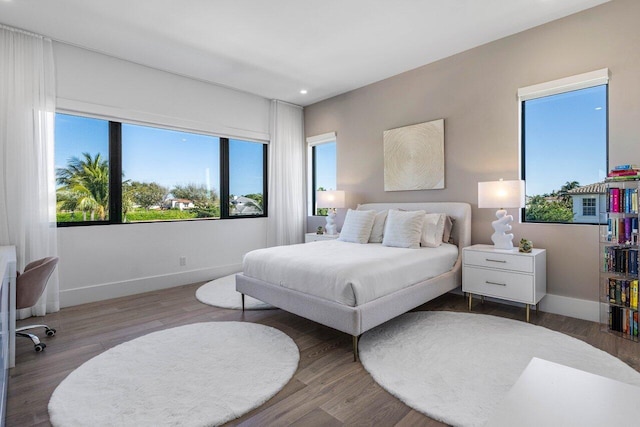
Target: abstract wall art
414	157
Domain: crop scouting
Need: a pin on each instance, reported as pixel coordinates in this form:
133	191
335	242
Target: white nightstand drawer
503	261
499	284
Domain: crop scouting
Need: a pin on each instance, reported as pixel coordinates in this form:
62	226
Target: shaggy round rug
193	375
457	367
222	293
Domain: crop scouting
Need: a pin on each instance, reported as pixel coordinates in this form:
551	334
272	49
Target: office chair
29	287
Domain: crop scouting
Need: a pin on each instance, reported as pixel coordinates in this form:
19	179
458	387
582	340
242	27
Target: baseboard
556	304
572	307
104	291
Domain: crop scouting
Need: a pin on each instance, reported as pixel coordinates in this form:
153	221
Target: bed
370	298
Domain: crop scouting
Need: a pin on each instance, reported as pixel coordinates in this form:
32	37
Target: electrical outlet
183	261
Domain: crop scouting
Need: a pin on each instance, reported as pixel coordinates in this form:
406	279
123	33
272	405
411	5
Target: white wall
107	261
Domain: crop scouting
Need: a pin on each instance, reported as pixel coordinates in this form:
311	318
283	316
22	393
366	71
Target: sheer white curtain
27	180
287	216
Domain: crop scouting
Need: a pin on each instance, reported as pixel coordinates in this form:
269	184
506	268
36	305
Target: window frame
115	173
312	143
591	205
556	87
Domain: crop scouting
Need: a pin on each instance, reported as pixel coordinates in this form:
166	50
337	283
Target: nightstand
505	274
314	237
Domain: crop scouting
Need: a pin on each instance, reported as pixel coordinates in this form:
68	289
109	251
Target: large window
564	140
322	166
156	174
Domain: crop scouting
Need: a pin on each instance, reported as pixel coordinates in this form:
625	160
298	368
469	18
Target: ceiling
275	48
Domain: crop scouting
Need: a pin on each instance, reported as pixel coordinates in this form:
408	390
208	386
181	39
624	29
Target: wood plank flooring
328	389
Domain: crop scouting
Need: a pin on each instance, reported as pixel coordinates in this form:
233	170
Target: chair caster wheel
40	347
51	332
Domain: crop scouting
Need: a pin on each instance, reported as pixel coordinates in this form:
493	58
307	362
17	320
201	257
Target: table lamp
331	200
501	194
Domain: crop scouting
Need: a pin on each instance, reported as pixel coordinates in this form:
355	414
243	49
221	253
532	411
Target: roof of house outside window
596	188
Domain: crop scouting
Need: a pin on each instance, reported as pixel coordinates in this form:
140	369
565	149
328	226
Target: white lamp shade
330	199
501	194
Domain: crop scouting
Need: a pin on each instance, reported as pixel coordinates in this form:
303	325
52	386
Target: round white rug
193	375
457	367
222	293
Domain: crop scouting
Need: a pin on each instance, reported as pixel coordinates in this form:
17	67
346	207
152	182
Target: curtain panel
27	176
287	156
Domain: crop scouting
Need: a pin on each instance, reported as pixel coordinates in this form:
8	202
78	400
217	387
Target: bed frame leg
242	302
355	348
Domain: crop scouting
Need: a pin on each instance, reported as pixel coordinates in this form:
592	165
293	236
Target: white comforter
348	273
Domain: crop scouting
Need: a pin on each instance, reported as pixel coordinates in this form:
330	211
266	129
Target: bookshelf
619	257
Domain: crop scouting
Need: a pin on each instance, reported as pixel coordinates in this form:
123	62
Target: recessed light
303	91
598	108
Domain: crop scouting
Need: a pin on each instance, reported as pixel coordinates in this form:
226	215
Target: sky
326	166
164	156
565	139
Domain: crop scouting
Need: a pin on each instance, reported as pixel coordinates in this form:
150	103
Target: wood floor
328	389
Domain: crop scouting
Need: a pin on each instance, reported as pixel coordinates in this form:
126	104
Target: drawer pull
495	283
496	260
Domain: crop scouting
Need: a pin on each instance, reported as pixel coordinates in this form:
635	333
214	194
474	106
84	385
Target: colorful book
615	200
626	172
625	167
634	295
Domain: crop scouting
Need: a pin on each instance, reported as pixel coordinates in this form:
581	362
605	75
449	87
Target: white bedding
348	273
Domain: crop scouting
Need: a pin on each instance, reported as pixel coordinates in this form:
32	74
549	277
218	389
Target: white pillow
433	230
377	232
403	229
378	226
357	226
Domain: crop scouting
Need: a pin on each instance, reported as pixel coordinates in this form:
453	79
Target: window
564	140
246	178
322	167
82	168
169	175
159	174
589	206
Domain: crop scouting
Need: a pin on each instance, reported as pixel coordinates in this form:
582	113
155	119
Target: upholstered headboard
459	211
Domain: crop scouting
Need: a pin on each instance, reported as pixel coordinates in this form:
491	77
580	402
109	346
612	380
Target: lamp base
500	238
330	228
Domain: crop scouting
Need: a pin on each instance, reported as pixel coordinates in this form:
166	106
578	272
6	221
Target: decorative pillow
448	226
403	229
357	226
378	226
433	230
377	231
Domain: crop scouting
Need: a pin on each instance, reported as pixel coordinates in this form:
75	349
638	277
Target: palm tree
85	185
563	193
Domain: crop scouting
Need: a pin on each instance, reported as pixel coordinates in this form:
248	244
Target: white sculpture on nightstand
500	239
330	227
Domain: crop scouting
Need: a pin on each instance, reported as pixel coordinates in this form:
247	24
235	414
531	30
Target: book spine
634	294
628	172
612	290
615	200
624	167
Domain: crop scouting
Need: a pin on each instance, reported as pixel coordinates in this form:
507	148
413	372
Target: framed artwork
414	157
